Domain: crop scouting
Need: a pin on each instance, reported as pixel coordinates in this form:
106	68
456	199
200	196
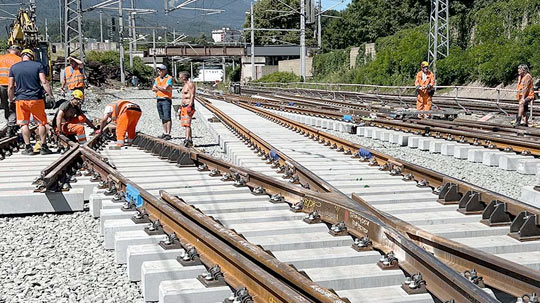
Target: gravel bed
498	180
59	258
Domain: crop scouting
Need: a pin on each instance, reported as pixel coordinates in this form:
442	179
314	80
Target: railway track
441	219
173	213
488	143
328	260
374	102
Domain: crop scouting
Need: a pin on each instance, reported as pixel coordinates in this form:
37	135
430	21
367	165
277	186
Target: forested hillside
489	39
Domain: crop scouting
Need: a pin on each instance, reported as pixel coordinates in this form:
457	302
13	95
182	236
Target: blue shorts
164	109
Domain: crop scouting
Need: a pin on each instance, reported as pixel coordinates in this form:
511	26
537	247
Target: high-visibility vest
163	82
119	107
6	61
424	79
529	88
74	78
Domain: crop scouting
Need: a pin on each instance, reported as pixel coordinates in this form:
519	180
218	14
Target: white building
209	75
226	35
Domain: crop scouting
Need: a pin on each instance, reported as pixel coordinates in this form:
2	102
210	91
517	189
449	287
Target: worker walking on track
525	94
163	87
73	76
187	110
6	61
126	115
26	84
425	87
69	118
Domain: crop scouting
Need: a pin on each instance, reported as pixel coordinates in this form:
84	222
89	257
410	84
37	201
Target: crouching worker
69	118
126	115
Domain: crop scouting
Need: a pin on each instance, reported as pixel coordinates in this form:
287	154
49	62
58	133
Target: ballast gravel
150	122
60	257
495	179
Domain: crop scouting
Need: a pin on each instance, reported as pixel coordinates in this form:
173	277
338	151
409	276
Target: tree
276	15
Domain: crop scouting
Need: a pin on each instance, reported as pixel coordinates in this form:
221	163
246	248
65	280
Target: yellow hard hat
28	52
78	94
424	64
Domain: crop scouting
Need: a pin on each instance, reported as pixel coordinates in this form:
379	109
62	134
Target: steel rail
496	271
244	263
517	140
285	162
443	281
501	272
477	104
418	173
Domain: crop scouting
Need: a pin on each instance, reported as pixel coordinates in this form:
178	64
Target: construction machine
24	32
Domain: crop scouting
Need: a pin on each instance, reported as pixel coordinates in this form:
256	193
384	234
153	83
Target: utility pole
252	44
60	22
191	69
303	40
73	29
131	29
154	47
224	70
101	26
439	32
319	27
46	31
121	39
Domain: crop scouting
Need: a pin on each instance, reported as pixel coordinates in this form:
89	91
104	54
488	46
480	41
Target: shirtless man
187	109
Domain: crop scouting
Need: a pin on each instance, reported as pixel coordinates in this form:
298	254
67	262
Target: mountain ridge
189	22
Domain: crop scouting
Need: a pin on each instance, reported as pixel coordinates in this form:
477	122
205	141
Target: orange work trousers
25	108
127	122
423	100
75	127
186	115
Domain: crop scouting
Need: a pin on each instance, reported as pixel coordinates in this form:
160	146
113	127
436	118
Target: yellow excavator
24	32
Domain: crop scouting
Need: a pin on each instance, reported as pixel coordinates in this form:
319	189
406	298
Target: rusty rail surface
442	281
500	272
450	189
483	105
244	264
294	170
494	136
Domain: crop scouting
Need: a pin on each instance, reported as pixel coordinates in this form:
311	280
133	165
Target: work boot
188	143
45	150
28	150
167	137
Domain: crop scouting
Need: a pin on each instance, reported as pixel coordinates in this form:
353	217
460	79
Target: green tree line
489	39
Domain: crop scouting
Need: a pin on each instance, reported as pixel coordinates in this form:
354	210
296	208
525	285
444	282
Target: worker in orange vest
69	118
126	115
163	87
425	85
6	61
525	94
73	76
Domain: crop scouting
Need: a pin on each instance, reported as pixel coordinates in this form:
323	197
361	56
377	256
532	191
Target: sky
328	3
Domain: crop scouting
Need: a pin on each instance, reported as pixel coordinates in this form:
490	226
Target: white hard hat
161	66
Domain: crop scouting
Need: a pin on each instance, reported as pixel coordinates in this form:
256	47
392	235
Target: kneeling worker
125	114
69	118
